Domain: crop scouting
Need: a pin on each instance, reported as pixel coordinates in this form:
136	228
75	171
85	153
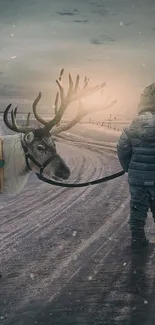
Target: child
136	153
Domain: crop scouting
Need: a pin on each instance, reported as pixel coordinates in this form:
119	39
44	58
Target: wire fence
112	123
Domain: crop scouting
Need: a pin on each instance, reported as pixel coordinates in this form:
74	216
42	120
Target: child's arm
124	149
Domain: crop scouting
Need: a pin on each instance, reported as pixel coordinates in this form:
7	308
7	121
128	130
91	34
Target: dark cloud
96	41
98	5
102	9
68	12
101	40
81	20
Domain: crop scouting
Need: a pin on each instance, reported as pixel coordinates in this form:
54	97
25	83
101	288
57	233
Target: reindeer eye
41	148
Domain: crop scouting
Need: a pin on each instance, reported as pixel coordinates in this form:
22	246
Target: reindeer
33	149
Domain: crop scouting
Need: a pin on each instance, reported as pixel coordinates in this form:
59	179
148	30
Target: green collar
2	163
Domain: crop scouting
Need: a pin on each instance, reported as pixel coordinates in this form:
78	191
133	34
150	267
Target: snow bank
95	132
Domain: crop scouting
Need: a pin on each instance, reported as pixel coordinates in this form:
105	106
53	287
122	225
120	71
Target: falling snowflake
75	257
32	276
74	233
121	23
145	302
90	278
12	35
124	264
13	57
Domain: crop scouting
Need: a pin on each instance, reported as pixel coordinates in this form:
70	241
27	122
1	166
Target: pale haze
111	41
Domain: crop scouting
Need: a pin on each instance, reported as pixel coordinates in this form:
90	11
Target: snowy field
65	253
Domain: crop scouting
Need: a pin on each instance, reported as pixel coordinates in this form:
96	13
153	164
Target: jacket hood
147	100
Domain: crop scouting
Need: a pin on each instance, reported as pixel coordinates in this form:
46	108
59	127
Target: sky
110	41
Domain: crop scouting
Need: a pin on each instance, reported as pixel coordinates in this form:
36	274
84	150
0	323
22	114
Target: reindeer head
38	144
39	148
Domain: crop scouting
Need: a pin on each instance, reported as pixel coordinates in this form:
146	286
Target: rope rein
97	181
55	183
50	181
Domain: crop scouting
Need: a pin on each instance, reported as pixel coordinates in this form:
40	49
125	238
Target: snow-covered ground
64	253
95	133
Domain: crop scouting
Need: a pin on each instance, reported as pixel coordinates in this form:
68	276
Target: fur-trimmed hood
147	100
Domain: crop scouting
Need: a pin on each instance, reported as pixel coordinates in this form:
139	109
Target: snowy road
65	254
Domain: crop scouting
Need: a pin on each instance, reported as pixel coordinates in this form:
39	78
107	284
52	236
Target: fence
112	123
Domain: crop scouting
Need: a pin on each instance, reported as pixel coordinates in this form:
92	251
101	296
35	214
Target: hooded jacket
136	145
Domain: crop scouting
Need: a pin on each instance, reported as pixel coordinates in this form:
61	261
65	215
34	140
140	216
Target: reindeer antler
82	112
14	126
73	94
79	116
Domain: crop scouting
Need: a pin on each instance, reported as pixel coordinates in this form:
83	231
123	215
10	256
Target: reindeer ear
29	137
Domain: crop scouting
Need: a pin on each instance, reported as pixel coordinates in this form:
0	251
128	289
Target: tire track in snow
73	197
36	200
70	267
28	256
